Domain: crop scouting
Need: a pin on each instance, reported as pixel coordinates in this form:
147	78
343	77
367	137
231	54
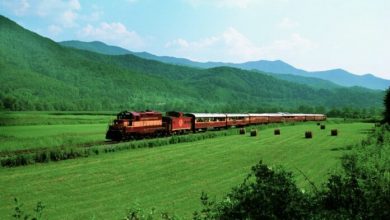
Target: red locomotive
135	125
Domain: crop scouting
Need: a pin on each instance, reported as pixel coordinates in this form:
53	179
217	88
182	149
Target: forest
39	74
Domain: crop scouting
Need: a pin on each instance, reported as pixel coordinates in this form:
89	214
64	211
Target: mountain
100	47
336	76
40	74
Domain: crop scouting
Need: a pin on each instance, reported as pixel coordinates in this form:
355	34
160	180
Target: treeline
18	103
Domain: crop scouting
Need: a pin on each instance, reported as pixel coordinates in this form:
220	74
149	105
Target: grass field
171	177
36	130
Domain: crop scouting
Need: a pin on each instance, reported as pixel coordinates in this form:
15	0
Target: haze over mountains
40	74
337	76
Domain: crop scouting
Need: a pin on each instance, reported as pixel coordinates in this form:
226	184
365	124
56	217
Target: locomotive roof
208	115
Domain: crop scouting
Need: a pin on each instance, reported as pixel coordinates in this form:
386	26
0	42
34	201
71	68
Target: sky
308	34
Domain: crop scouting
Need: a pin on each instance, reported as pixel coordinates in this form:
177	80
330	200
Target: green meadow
170	177
43	130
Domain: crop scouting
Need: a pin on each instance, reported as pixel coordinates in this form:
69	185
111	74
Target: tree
386	118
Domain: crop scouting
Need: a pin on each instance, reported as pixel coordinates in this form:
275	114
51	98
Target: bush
277	131
265	194
308	134
322	127
19	213
334	132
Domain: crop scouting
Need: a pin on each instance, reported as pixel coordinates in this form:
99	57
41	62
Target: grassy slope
100	47
38	73
49	136
171	177
33	130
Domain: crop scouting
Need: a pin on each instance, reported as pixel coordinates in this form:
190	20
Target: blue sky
309	34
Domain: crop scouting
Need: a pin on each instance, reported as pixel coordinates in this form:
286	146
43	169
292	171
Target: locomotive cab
133	125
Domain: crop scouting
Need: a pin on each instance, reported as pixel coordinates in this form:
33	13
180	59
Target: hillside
336	76
100	47
39	74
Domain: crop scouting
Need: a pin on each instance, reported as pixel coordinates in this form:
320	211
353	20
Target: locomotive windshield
125	115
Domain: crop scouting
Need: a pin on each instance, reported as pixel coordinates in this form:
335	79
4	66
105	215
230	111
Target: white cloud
287	23
45	8
68	18
295	43
18	7
112	33
233	46
64	13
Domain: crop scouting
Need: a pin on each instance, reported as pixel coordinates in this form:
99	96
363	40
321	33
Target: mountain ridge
337	76
40	74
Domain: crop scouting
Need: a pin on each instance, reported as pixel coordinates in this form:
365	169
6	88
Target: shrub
322	127
334	132
19	213
308	134
265	194
277	131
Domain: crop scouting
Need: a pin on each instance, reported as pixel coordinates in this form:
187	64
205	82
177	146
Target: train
137	125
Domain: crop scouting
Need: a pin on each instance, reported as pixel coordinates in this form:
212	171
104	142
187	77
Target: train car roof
274	114
236	115
265	114
314	114
208	115
258	114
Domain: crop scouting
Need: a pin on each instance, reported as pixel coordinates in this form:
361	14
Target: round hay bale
242	131
322	127
277	131
334	132
308	134
254	133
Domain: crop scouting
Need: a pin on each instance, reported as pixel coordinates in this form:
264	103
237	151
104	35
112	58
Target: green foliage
137	213
39	74
58	154
19	213
265	194
44	156
386	103
361	191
